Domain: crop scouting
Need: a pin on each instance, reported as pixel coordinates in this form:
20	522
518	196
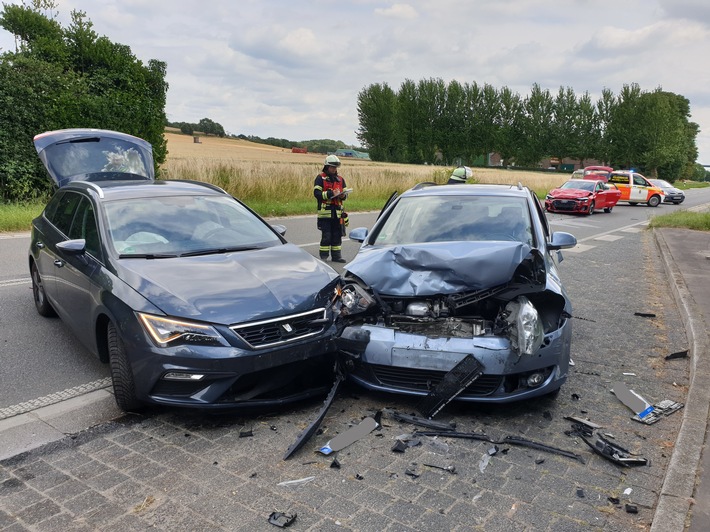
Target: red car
593	172
583	196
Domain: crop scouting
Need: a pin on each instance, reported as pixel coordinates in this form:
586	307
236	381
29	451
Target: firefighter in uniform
460	175
329	191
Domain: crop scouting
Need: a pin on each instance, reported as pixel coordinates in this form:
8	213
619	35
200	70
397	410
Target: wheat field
274	181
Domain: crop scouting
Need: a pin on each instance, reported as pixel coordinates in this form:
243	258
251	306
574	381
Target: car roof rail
96	187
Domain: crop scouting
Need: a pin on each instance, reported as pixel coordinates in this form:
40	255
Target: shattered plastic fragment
450	468
631	509
420	421
484	462
399	447
613	500
335	464
493	450
246	433
580	493
350	436
452	384
645	314
628	491
678	354
411	471
282	519
296	482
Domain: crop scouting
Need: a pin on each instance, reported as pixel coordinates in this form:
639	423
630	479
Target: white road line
14	282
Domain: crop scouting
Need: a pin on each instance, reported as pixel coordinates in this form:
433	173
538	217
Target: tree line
65	77
205	125
432	121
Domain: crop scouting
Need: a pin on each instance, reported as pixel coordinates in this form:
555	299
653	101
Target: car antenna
520	186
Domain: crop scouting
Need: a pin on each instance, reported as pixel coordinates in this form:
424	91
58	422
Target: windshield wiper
214	251
147	256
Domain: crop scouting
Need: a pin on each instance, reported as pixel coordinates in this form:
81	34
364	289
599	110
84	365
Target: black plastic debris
282	519
575	397
493	450
613	500
313	427
677	354
420	421
358	476
335	464
350	436
580	421
246	433
613	452
448	468
539	461
452	384
580	493
412	472
645	314
631	509
399	447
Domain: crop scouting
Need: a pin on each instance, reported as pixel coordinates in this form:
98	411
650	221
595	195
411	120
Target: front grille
425	380
564	205
281	330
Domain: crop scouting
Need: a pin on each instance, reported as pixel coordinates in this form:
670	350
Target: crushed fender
311	429
452	384
350	436
282	519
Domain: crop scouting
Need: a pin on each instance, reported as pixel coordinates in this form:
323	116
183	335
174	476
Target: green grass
685	185
18	216
700	221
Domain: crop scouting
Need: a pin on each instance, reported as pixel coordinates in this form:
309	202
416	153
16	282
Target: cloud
399	11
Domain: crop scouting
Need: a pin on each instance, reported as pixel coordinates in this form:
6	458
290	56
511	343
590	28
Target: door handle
59	263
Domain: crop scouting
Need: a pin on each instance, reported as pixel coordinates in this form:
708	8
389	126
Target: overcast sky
293	68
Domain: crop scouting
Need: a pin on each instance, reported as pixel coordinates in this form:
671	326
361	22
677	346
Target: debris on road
282	519
677	354
420	421
645	412
613	452
645	314
296	482
350	436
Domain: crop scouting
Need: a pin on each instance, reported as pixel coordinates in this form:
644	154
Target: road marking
13	282
54	398
609	238
579	248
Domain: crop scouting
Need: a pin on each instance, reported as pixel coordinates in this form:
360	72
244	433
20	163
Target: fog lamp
535	379
179	376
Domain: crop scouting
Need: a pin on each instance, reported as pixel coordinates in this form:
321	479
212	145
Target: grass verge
699	221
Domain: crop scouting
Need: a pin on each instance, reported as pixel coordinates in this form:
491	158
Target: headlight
550	197
167	331
355	299
526	333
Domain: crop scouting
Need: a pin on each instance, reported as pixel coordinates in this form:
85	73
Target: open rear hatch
94	155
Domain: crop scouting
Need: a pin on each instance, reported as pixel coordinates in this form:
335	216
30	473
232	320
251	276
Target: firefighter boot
337	257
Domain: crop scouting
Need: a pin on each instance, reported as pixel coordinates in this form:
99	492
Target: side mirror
280	229
561	240
359	234
73	247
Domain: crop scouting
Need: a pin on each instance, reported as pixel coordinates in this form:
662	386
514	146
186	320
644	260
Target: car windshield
164	226
424	219
661	183
581	185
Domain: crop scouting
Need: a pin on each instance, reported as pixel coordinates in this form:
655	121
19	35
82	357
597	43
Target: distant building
352	153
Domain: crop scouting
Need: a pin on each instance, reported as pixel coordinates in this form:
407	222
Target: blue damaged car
449	271
191	297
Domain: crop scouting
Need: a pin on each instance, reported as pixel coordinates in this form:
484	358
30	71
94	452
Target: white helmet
462	173
332	160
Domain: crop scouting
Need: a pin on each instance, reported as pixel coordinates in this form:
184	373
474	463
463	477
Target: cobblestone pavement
171	470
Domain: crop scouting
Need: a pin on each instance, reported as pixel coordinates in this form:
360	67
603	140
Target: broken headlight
355	300
526	332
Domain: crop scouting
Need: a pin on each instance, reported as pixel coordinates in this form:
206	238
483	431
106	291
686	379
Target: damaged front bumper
404	363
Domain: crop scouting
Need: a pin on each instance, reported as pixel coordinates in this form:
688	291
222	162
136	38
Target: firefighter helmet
462	173
332	160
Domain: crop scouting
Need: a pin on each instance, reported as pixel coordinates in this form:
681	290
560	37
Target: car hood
232	287
94	155
570	193
438	268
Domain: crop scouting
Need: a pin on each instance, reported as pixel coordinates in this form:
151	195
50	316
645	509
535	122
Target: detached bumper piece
460	377
613	452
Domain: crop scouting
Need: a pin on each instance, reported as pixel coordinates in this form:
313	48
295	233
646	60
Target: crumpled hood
569	193
232	287
438	268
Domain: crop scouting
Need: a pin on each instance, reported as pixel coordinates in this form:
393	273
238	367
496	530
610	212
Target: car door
76	291
639	188
602	195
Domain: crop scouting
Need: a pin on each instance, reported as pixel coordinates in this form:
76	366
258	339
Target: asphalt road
39	357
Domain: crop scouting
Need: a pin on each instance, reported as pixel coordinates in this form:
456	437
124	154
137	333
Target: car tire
591	209
608	209
124	386
44	307
654	201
